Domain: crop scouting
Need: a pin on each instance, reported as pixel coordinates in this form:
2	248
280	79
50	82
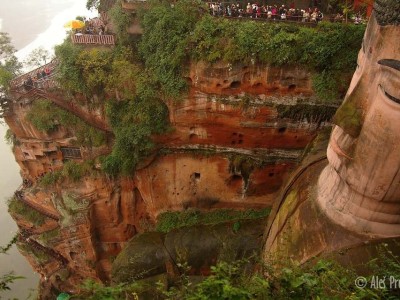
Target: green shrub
69	73
133	123
18	207
48	236
50	178
329	50
75	171
39	255
10	137
164	42
121	21
46	116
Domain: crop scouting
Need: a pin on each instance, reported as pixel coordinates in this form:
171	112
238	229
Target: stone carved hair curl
387	12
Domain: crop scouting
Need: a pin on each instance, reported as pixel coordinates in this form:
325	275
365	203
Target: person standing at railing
274	11
249	9
47	71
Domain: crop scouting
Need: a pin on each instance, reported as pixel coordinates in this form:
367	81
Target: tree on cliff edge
9	68
9	64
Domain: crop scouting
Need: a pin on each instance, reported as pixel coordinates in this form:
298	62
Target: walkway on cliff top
47	87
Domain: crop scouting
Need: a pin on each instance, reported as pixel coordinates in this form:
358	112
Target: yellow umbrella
74	24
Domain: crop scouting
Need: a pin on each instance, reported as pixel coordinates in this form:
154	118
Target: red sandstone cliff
230	148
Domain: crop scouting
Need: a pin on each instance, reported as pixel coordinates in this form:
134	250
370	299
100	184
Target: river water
31	24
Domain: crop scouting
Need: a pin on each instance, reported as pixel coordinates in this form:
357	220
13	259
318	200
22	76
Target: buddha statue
355	198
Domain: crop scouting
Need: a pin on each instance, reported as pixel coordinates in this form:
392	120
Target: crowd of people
273	12
93	26
276	12
34	81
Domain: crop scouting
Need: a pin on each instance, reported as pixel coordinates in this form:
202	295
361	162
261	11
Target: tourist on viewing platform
29	82
357	19
320	16
249	9
314	16
338	18
47	71
274	11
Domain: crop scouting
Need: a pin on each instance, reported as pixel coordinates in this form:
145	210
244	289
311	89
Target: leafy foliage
4	249
18	207
83	71
175	33
121	20
322	279
75	171
9	64
47	236
71	170
166	29
133	122
330	50
69	72
50	178
95	66
38	57
124	74
7	279
10	137
92	290
47	117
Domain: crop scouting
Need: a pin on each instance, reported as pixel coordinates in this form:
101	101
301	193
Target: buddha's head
361	186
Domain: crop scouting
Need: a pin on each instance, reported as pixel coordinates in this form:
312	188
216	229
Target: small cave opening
192	137
282	129
73	255
195	176
189	81
291	87
258	84
235	84
235	181
271	174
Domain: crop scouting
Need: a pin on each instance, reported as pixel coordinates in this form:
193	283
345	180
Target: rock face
236	139
356	197
154	253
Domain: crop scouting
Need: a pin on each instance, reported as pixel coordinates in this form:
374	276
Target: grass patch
71	170
18	207
171	220
50	178
41	257
48	236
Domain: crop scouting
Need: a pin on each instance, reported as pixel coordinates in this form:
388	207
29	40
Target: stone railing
91	39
